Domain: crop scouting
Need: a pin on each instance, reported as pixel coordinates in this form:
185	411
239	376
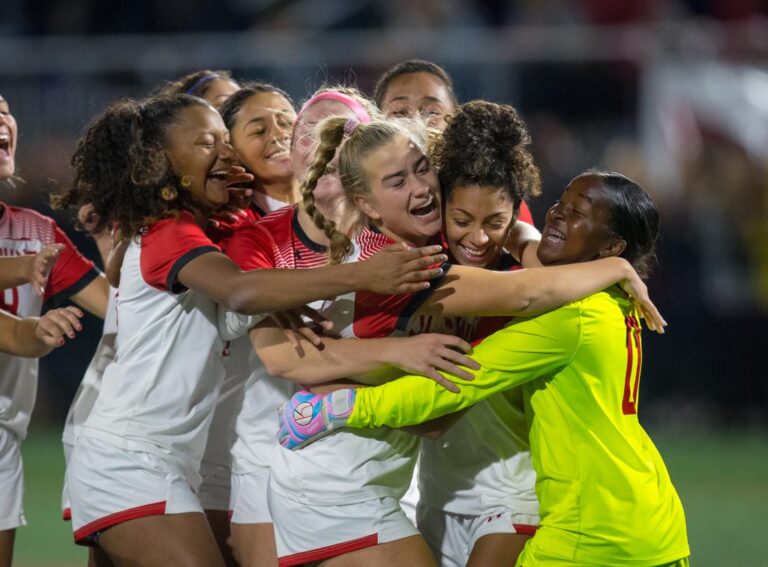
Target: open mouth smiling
425	209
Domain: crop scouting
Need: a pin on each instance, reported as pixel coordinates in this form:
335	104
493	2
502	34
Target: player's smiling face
404	193
198	147
262	136
8	137
477	223
577	227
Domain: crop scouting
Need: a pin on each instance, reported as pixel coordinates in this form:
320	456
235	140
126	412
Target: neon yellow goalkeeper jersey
605	495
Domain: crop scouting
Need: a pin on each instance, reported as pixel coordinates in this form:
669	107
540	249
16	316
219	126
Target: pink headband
346	100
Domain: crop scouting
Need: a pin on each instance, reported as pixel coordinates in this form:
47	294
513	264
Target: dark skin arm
396	269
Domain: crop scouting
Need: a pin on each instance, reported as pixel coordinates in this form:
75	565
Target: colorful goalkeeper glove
307	417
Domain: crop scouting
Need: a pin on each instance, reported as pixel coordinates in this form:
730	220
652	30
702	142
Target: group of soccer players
265	260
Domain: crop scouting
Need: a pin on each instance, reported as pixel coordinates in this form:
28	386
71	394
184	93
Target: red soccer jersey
276	241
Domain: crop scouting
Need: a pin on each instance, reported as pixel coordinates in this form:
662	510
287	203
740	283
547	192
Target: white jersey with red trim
90	385
159	394
483	462
23	231
276	241
356	466
237	352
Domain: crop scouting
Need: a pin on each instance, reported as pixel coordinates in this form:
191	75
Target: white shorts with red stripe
453	536
109	485
306	533
11	482
248	503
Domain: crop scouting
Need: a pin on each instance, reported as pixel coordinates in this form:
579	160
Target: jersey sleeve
379	315
72	271
525	350
525	214
252	247
167	247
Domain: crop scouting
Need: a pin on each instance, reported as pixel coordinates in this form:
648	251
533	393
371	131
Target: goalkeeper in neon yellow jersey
605	495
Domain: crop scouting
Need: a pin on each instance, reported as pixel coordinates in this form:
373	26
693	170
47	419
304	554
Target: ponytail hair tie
350	126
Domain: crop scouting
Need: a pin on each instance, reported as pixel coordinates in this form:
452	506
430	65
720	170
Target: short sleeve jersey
355	466
158	395
605	494
276	241
23	231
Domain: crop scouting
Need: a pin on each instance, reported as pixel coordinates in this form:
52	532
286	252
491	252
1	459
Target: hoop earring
168	193
186	181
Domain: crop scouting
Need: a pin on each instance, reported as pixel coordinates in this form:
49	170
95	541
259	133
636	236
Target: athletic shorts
213	492
109	485
11	482
305	533
248	502
66	507
451	537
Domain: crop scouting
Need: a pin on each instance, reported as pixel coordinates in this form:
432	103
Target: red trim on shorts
329	551
230	513
525	529
66	514
83	534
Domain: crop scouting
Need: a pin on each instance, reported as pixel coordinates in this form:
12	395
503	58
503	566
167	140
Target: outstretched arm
396	269
520	352
366	361
474	291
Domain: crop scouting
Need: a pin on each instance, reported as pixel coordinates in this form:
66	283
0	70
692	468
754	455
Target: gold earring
186	181
168	193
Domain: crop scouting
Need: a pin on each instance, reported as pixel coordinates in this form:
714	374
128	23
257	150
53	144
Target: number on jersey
634	364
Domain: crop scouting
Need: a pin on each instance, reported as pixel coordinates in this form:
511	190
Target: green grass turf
720	476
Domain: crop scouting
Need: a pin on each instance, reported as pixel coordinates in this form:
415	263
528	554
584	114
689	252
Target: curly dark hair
121	167
406	68
235	102
196	83
485	144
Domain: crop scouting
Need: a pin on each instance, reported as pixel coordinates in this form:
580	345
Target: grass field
721	478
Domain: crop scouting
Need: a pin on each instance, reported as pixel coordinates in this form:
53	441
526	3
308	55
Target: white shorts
453	536
213	492
109	485
11	482
248	503
305	533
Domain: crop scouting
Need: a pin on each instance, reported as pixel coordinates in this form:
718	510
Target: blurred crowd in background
673	93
